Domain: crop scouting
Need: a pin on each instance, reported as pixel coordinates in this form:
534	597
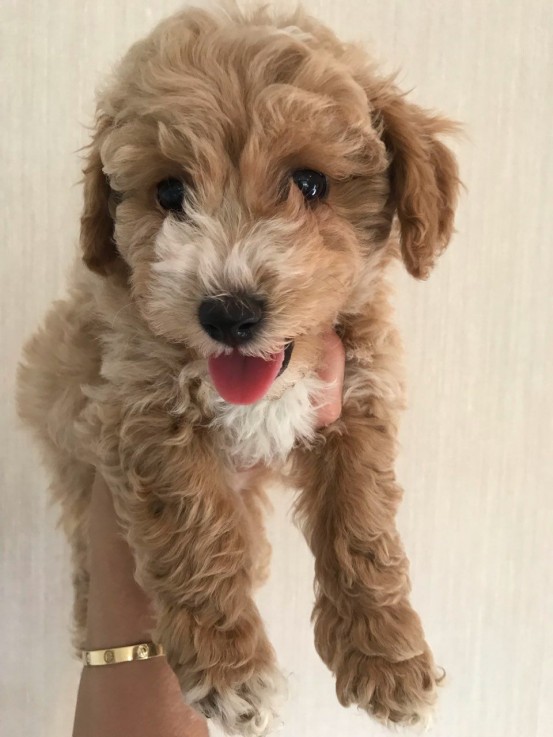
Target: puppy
249	182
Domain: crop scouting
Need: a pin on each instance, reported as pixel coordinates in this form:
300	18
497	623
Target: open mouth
243	379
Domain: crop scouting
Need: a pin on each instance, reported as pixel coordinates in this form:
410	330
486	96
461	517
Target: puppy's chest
267	430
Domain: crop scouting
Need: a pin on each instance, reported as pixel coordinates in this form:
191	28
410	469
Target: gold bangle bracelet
126	654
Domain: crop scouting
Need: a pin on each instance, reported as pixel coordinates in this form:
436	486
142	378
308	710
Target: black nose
231	320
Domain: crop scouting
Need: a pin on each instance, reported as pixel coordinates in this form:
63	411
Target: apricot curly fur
116	379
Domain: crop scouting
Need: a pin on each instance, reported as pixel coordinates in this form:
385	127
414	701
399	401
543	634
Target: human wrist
119	612
118	622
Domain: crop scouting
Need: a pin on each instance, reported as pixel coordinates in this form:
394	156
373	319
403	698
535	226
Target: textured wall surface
477	441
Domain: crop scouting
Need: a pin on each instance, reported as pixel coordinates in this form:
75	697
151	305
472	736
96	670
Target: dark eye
312	184
170	194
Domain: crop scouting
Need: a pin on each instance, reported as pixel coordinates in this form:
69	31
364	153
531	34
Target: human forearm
139	699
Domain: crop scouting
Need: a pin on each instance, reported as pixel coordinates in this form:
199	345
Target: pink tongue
244	379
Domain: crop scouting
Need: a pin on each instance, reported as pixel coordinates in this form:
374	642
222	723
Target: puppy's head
247	172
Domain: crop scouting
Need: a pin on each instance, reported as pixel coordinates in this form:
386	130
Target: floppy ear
97	243
423	178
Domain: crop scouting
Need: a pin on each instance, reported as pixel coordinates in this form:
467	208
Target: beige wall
477	440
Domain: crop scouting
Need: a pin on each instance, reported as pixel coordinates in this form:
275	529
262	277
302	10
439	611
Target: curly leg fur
192	542
365	629
253	499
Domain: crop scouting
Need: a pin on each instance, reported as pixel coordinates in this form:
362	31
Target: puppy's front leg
365	628
192	545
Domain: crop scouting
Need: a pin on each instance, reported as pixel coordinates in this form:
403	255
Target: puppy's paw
394	692
249	709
